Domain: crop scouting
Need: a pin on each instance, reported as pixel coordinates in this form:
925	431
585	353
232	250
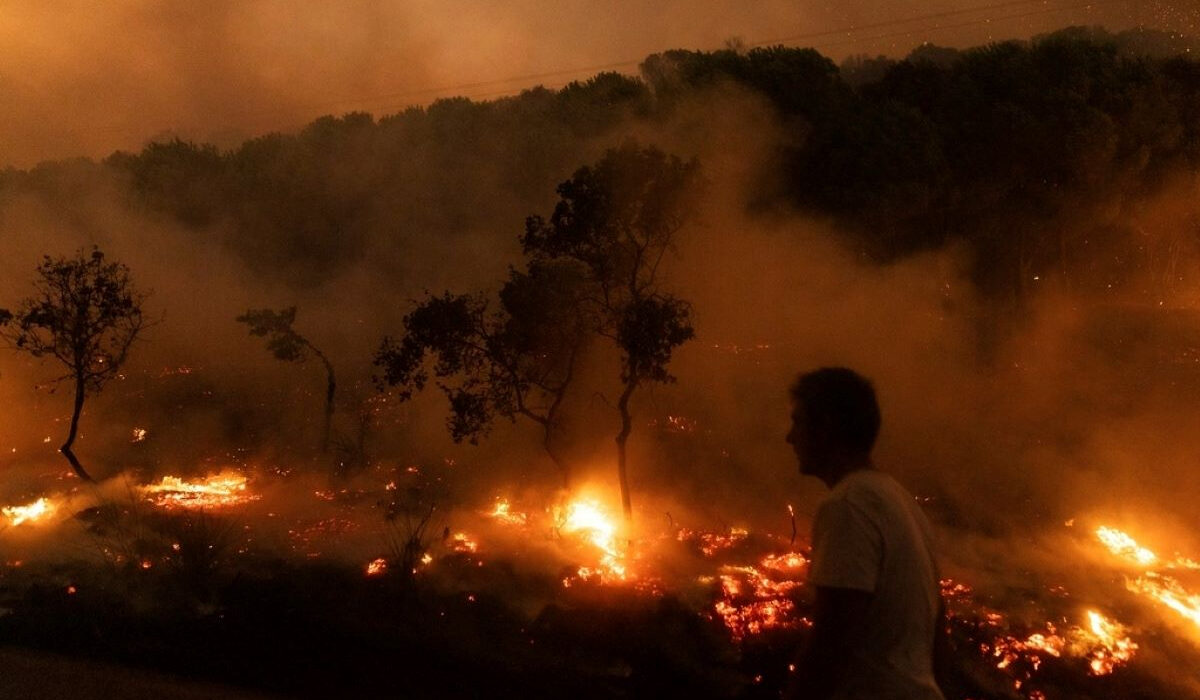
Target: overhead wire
464	90
503	87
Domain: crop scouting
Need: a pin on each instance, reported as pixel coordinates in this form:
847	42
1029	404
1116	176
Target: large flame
586	518
216	491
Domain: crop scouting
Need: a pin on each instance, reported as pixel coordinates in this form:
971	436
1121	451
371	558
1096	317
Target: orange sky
84	78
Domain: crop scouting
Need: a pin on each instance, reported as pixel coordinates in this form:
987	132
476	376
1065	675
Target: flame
1169	592
376	567
1166	590
32	512
1124	546
503	512
588	519
1110	643
219	490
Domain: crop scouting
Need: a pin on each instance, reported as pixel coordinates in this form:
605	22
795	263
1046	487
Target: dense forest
1038	156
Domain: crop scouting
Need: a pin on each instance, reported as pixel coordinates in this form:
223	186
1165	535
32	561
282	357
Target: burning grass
573	571
222	490
38	511
1162	588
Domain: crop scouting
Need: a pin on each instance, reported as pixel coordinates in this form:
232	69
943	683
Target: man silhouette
877	596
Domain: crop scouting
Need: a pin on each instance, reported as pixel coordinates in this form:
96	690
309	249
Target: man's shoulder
865	483
871	492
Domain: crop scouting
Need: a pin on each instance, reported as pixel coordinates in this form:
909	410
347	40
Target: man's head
835	420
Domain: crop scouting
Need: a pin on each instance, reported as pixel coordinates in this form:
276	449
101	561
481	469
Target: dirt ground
33	675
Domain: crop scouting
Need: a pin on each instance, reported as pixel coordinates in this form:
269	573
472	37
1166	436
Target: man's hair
840	402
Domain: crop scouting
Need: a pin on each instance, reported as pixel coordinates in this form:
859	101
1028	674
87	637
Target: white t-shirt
870	535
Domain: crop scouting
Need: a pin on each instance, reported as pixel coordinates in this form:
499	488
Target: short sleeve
847	548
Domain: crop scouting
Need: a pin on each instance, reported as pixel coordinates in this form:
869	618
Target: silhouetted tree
86	314
517	361
618	219
286	344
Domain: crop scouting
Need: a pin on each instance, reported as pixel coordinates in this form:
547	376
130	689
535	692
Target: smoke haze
80	78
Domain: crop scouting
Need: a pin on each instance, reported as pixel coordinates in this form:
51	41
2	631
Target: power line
478	89
879	25
634	62
962	25
854	40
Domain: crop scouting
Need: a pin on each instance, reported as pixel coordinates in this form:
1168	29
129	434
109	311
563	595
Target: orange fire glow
376	567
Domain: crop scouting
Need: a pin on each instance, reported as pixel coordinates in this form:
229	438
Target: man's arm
839	618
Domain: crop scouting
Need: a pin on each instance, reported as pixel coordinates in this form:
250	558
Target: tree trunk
330	391
564	469
80	388
622	438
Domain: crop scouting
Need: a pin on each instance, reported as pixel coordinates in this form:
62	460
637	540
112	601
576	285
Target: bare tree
86	314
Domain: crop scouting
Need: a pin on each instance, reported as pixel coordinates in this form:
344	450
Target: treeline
1035	155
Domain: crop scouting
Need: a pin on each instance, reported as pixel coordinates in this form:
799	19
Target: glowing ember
1104	644
217	491
712	542
1124	546
376	567
139	434
463	544
33	512
787	562
753	602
